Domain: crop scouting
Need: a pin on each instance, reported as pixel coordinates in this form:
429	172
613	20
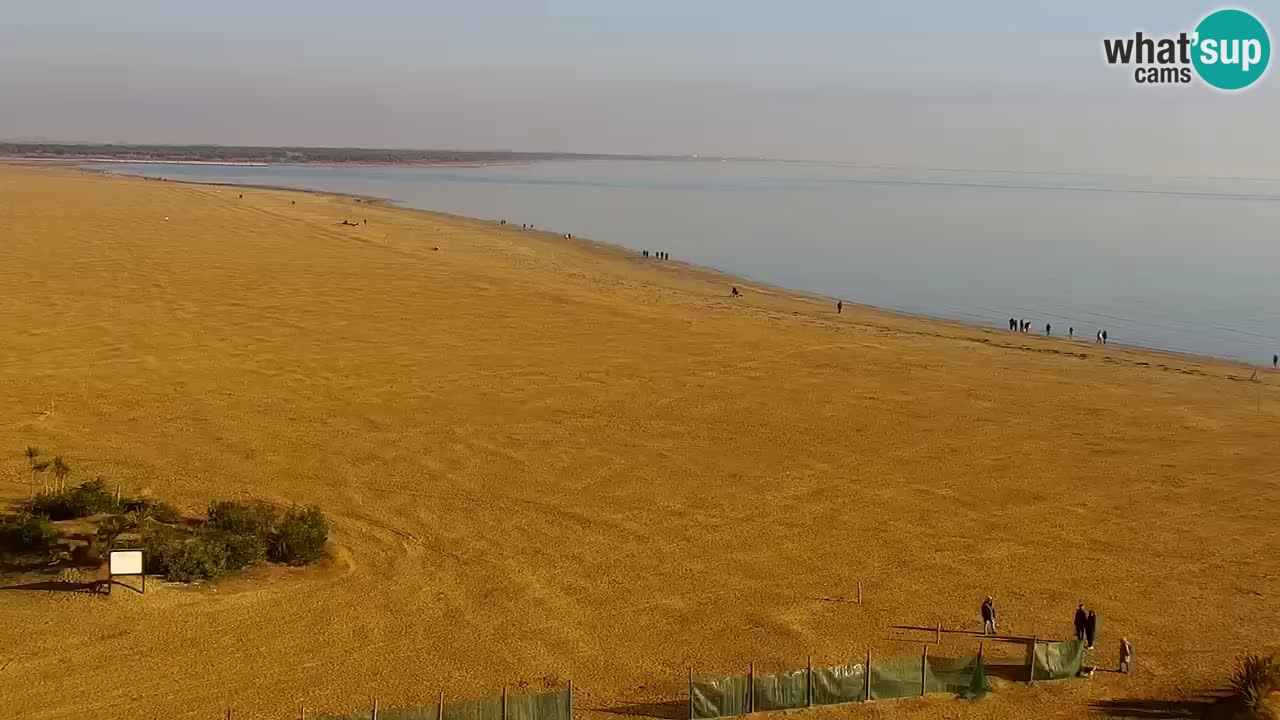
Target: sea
1177	263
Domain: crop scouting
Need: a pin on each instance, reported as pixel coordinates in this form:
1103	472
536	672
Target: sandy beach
550	460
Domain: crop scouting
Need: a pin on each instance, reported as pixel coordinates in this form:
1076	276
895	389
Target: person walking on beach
1011	322
1275	361
735	292
839	307
1090	629
1048	329
1126	655
1071	332
989	616
1082	618
1104	337
1099	340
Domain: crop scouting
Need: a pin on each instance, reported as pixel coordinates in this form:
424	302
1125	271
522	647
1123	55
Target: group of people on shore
1084	622
655	254
1024	325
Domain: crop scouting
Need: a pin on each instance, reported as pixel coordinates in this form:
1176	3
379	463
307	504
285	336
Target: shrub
27	533
87	498
144	509
300	537
241	550
257	519
1253	681
184	558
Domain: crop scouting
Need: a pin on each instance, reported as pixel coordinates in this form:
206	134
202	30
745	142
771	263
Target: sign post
125	562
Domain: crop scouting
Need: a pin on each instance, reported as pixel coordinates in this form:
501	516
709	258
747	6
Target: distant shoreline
717	274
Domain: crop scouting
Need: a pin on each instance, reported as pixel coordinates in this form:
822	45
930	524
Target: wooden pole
303	713
504	703
228	713
866	690
751	688
375	709
859	591
440	707
808	685
690	693
1032	662
937	637
570	698
924	670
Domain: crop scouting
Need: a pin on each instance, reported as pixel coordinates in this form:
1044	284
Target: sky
1003	84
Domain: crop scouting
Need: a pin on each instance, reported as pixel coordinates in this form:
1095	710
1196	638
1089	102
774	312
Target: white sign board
126	562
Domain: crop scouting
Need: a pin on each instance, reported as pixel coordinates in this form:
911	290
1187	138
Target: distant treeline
233	153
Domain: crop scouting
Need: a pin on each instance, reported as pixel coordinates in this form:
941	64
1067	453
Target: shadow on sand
672	710
1206	706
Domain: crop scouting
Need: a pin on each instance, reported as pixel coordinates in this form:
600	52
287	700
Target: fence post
504	703
808	684
570	700
690	693
924	669
866	691
751	688
859	591
302	713
937	637
1032	662
440	707
375	709
228	713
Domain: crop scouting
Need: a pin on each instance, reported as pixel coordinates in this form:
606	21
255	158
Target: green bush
256	519
241	550
87	498
184	558
146	509
300	537
27	533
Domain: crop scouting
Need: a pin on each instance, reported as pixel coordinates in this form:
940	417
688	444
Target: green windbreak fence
713	697
839	684
555	705
781	691
421	712
965	677
1057	660
896	677
489	708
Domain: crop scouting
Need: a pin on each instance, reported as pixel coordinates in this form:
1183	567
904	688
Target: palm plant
33	456
1253	681
60	472
40	467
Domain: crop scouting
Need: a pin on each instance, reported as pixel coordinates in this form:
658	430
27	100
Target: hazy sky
1013	84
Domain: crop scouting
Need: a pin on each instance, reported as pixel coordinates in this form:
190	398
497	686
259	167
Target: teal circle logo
1231	49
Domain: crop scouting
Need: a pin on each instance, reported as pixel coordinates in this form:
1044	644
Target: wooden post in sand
228	713
303	712
504	703
859	591
440	707
375	709
690	693
808	683
866	690
751	687
570	698
1032	662
924	670
937	635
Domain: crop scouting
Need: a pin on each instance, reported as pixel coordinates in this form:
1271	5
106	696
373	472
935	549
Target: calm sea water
1184	264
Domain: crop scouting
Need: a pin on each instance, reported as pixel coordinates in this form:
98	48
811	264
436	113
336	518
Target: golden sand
547	460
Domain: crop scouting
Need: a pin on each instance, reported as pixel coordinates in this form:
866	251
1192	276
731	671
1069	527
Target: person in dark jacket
1081	619
839	307
1012	323
1104	337
1275	361
1048	329
989	616
1090	629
